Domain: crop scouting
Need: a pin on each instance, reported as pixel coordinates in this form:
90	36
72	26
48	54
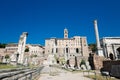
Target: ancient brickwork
98	61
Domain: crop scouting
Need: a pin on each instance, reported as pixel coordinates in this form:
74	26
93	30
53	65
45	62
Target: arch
111	56
118	50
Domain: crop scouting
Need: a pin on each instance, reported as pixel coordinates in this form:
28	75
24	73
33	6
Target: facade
111	45
2	54
69	48
36	53
73	45
11	48
35	49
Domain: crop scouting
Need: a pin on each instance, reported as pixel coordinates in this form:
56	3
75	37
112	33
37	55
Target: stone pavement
51	73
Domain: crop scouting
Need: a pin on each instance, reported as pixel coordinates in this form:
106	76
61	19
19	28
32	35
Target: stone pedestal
100	52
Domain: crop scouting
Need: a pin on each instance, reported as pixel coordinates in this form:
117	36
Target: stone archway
111	56
118	50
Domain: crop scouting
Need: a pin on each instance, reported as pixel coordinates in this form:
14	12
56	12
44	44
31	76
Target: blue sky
47	18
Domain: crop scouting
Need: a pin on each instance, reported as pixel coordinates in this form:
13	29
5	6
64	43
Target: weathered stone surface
83	67
107	64
98	61
115	70
87	65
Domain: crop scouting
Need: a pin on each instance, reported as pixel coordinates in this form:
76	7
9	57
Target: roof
65	38
111	37
12	44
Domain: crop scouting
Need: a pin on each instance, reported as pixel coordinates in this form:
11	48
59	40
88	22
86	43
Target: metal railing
20	73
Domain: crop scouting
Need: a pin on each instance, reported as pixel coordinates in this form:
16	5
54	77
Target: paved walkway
50	73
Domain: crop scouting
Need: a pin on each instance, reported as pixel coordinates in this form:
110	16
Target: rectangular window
56	50
66	50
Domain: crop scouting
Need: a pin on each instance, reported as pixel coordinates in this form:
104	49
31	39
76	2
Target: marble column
99	49
21	48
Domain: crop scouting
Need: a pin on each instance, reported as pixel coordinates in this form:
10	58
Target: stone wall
107	64
113	67
98	62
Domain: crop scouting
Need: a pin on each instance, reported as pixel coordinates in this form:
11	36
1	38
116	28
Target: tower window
56	50
52	50
77	50
66	50
65	35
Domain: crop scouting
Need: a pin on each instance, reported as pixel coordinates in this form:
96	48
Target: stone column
99	49
114	51
21	48
96	33
54	49
65	54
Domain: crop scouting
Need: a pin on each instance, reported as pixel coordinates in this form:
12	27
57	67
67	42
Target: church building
71	49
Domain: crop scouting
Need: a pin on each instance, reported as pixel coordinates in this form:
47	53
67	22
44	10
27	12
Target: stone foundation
107	65
98	62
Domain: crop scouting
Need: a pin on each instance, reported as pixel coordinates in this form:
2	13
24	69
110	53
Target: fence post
95	75
83	75
30	76
88	72
39	71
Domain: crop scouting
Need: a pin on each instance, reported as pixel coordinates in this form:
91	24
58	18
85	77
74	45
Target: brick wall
98	61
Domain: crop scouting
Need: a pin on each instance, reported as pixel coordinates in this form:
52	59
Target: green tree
62	60
82	62
93	47
27	50
2	45
7	57
33	55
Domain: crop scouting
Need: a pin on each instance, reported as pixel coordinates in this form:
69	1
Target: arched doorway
118	54
111	56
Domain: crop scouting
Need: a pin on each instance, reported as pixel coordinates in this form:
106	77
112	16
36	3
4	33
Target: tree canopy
2	45
93	47
7	56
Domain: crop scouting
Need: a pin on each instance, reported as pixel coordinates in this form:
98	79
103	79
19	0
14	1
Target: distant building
11	48
33	48
36	49
68	48
2	54
36	52
111	45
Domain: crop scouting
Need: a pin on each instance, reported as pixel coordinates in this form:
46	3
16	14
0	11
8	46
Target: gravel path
50	73
64	76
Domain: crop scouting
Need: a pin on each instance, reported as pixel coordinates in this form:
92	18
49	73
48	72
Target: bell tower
65	33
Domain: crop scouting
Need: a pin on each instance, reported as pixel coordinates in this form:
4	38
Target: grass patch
7	66
99	77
